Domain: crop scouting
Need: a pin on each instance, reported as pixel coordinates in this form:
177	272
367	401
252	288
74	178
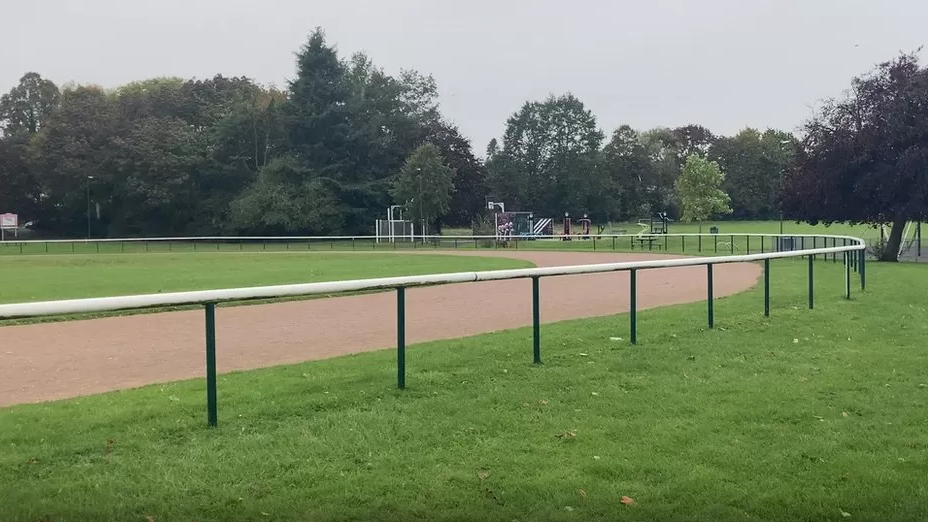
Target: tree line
344	140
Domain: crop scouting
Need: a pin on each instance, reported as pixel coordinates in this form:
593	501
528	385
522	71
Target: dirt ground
61	360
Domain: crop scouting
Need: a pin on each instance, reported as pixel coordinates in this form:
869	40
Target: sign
9	221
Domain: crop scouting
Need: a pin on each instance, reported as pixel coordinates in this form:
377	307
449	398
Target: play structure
585	225
656	225
392	230
519	224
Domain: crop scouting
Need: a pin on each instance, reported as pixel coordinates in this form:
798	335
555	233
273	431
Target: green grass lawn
39	278
808	415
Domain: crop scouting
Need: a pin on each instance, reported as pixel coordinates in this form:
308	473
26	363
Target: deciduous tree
864	158
699	188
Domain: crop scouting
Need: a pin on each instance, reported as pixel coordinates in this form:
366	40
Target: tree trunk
891	248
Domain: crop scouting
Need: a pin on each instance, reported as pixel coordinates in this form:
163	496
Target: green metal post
710	298
811	284
748	238
211	407
847	275
633	306
766	288
699	243
536	320
732	243
863	269
401	338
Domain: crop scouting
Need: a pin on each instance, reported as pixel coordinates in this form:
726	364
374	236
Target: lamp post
89	179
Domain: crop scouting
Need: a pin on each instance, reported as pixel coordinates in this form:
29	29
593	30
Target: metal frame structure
852	250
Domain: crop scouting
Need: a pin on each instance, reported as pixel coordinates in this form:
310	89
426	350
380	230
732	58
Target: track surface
60	360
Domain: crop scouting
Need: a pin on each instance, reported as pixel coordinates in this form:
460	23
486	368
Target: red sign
9	221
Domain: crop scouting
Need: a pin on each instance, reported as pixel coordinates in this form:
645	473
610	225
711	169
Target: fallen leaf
795	341
844	414
543	402
845	514
594	393
584	355
582	493
628	500
33	460
596	457
566	435
483	474
150	518
568	508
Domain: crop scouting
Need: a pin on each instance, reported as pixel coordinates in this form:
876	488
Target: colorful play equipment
586	224
523	225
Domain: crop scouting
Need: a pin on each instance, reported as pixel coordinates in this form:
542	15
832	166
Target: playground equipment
393	230
519	224
650	229
585	223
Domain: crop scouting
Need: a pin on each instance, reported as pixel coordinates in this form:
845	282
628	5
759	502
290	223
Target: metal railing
852	251
738	243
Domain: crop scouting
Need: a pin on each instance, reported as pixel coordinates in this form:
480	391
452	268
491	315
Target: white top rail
107	304
374	238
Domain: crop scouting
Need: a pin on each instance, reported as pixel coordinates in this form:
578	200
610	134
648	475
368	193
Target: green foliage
26	108
548	161
699	189
424	185
863	159
754	163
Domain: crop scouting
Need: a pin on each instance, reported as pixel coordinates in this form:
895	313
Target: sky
724	64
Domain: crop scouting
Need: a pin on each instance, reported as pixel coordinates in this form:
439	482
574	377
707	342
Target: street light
89	179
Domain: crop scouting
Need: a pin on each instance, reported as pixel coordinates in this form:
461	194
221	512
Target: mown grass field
39	278
808	415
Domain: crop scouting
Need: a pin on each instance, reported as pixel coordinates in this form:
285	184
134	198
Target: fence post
536	321
401	338
847	275
767	287
710	298
749	244
699	243
211	407
811	284
633	305
863	270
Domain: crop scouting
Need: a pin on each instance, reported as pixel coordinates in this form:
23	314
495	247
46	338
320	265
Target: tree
424	185
753	163
692	139
864	158
663	151
470	175
699	190
628	168
28	105
548	161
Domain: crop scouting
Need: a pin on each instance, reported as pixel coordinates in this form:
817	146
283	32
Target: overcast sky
725	64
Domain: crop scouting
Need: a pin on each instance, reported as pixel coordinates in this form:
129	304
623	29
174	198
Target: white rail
283	239
107	304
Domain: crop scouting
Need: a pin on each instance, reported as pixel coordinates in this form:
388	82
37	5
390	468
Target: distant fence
851	250
701	244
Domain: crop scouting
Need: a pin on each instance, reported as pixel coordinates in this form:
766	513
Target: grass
808	415
39	278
